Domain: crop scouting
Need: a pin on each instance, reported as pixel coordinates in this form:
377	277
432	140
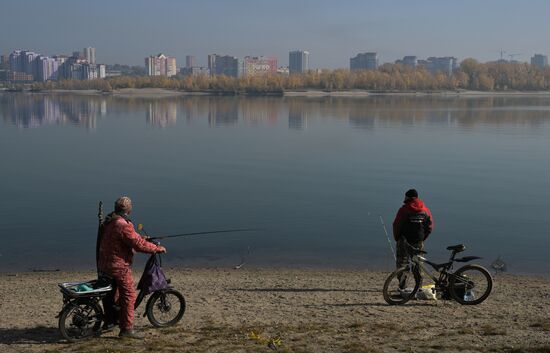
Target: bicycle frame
416	262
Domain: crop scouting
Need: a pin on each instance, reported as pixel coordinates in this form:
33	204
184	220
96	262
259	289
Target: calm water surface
316	173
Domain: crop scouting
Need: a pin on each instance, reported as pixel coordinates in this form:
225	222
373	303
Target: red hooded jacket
413	221
119	242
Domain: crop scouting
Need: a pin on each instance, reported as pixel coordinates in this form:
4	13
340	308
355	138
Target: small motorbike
82	315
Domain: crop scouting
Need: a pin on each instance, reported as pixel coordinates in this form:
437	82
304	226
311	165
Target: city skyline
331	34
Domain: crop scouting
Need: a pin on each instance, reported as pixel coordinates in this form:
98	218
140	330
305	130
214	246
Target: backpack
415	226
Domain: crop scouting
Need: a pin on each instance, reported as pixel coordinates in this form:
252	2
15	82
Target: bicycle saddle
456	248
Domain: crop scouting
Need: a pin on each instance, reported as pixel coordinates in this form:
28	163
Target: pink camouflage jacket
119	242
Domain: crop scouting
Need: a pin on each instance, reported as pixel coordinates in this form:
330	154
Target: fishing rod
201	233
388	237
100	219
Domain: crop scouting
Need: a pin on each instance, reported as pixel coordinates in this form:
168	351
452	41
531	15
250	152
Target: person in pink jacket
119	243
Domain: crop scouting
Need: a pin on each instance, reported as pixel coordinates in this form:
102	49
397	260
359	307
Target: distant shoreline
161	92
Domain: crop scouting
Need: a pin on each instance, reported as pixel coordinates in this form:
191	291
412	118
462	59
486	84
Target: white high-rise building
89	55
161	65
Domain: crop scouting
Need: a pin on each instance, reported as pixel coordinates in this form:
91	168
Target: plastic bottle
469	296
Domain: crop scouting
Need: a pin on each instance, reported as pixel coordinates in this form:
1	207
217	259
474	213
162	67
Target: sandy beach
310	310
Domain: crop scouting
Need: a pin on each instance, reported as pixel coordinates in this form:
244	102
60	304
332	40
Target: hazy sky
125	31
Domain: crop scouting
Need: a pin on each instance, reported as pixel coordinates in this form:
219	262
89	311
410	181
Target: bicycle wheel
80	320
165	308
401	286
470	285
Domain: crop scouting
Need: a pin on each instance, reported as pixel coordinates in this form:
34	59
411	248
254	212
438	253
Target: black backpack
416	226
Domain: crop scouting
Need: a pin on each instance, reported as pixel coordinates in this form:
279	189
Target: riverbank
311	310
161	92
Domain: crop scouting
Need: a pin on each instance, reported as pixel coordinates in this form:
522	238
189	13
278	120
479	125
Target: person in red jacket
119	242
413	224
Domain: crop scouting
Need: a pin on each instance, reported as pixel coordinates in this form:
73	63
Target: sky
125	32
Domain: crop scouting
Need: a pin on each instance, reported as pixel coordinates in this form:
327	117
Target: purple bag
153	277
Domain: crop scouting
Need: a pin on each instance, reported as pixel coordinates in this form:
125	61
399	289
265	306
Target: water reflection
162	113
224	113
297	118
31	111
35	110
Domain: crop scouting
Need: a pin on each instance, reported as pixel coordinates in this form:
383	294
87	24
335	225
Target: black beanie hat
411	193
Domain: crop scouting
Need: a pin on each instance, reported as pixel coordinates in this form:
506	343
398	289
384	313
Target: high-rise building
410	61
171	68
194	71
15	61
30	66
161	65
102	70
445	64
298	62
48	69
190	61
44	68
364	61
539	60
212	63
89	54
259	66
4	62
225	65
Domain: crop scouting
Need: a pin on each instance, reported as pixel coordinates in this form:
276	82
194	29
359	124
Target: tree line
471	75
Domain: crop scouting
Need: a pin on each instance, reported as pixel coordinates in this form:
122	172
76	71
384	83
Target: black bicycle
82	315
468	285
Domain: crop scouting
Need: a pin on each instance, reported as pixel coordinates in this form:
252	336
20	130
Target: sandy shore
310	310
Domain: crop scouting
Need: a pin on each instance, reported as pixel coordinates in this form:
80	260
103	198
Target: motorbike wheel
165	308
80	320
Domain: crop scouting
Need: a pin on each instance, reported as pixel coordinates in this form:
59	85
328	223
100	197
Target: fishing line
209	232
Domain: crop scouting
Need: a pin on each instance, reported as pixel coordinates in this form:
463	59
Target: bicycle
469	285
82	315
